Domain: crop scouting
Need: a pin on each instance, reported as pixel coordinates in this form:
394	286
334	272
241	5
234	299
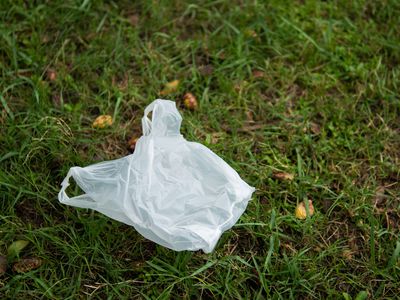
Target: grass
320	79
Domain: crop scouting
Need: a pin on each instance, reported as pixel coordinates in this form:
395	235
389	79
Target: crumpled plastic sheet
176	193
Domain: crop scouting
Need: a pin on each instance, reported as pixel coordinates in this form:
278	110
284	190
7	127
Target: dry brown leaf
379	199
102	121
133	19
45	39
347	254
190	101
258	74
90	36
380	194
215	137
3	264
283	176
121	84
249	128
249	117
206	70
170	87
27	264
289	247
315	128
238	86
301	211
51	74
245	128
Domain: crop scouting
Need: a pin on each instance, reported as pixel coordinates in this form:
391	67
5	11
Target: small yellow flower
170	87
301	211
283	176
102	121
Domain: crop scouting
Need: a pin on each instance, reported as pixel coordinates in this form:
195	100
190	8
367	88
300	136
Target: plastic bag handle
78	201
165	121
146	122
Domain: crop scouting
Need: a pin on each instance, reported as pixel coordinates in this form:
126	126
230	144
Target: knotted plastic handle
166	120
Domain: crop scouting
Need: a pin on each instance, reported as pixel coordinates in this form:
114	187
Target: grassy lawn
307	88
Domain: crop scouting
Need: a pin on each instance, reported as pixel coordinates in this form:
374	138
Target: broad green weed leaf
16	247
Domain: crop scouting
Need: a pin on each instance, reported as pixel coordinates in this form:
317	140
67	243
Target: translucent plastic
176	193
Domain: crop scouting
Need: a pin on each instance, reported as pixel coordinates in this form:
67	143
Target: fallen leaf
347	254
16	247
289	247
123	84
379	199
258	74
318	248
51	74
238	86
45	39
3	264
102	121
90	36
173	84
132	143
249	128
250	33
170	87
283	176
206	70
353	245
190	101
27	264
133	19
315	128
213	138
249	117
301	211
245	128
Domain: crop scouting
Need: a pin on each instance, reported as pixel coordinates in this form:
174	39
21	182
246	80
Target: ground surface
306	88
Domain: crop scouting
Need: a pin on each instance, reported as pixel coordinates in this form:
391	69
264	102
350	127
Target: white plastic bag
176	193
